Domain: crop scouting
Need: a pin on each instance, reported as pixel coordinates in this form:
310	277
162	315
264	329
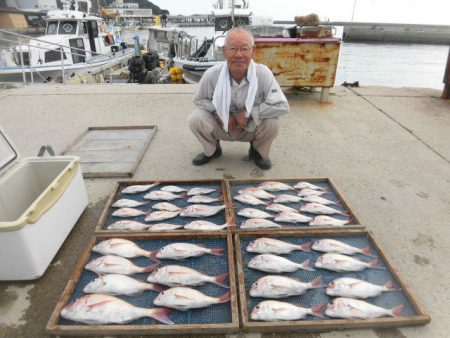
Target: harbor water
374	64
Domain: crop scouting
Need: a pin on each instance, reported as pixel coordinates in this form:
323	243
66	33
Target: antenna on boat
232	14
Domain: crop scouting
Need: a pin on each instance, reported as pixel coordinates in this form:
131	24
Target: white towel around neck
222	93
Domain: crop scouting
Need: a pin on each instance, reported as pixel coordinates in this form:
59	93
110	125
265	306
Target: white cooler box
40	201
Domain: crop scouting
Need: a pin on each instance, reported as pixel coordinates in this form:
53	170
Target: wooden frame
330	324
326	180
114	174
120	184
54	328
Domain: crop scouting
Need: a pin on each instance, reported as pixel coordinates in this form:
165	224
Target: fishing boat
75	42
194	59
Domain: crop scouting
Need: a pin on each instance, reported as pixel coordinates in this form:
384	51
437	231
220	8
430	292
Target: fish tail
397	310
350	218
229	224
344	213
155	287
306	247
224	298
389	286
374	265
150	267
220	280
183	195
220	198
306	265
152	255
216	251
161	315
366	251
316	310
317	283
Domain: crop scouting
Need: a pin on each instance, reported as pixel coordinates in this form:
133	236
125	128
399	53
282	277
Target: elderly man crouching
238	100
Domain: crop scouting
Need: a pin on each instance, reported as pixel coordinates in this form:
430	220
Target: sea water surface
376	64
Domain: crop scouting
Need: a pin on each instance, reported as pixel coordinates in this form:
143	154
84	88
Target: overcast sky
394	11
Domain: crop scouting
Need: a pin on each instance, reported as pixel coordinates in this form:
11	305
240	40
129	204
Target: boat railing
187	44
214	48
88	61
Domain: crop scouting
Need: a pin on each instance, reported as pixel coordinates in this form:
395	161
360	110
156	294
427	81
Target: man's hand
241	120
232	124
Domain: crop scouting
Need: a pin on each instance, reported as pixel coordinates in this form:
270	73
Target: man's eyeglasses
244	50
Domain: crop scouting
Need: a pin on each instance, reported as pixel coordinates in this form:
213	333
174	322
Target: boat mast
232	14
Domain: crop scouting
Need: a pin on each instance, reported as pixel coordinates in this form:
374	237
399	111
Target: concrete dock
386	149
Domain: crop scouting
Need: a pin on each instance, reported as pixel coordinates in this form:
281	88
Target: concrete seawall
390	32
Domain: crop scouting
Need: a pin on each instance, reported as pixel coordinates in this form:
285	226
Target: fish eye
162	292
257	307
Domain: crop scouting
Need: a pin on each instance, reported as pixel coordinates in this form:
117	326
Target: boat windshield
61	27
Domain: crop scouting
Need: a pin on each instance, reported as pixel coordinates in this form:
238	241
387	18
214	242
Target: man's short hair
240	29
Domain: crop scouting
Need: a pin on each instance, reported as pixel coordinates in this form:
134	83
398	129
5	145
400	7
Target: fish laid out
292	217
164	227
200	191
275	264
257	192
177	275
342	263
204	199
310	192
274	246
115	264
249	199
136	189
318	199
307	185
356	288
165	206
159	195
120	247
128	212
334	246
327	220
182	298
272	310
102	309
254	213
127	203
200	210
281	287
128	225
276	207
115	284
317	208
357	309
274	186
254	223
286	198
173	188
185	250
201	225
160	215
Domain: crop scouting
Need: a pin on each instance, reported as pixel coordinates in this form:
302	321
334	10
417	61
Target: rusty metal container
300	62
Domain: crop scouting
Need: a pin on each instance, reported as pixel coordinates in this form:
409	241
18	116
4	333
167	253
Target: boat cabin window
52	28
67	27
54	55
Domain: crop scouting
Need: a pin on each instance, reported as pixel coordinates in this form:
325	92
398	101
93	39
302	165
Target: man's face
238	52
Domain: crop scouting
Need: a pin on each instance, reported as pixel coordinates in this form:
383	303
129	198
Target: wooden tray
106	217
233	184
54	326
111	151
417	315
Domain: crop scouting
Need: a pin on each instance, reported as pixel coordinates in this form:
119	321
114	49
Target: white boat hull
44	73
